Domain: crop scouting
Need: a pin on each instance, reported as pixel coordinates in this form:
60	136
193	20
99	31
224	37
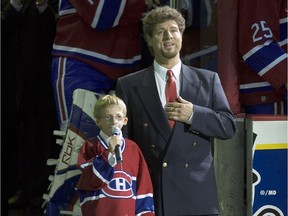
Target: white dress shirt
160	73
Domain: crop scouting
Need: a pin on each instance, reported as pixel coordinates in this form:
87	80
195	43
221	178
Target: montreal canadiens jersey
263	48
104	34
124	189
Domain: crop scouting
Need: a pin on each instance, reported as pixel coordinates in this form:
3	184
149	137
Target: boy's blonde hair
107	100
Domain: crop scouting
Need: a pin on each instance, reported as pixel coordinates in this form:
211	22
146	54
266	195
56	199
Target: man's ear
148	40
97	121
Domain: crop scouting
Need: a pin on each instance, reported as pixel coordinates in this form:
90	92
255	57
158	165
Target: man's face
166	41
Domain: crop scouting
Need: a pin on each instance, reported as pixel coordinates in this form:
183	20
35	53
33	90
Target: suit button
145	125
263	98
186	165
165	164
152	146
194	144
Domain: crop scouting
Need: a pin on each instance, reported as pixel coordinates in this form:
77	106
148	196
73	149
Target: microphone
115	132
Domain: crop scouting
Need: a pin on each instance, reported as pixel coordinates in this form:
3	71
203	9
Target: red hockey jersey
263	48
103	34
125	189
253	51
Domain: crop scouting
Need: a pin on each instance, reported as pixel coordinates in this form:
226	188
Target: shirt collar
103	135
161	71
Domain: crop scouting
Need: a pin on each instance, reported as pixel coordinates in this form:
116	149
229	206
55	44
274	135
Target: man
179	156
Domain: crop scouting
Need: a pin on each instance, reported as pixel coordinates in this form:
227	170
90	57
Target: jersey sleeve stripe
273	64
266	58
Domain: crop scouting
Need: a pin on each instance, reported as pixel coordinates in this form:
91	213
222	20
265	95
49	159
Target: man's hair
160	15
105	101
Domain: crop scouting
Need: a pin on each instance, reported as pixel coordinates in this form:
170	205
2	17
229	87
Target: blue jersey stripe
65	7
264	56
109	13
283	29
257	89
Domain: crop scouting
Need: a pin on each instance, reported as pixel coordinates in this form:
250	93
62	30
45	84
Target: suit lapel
190	84
149	96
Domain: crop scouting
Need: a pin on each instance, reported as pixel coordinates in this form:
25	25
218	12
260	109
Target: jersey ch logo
120	186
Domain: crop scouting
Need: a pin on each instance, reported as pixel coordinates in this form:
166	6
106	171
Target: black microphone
115	132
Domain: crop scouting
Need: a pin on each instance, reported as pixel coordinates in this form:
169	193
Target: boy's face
110	116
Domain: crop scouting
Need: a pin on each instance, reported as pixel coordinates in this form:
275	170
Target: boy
108	186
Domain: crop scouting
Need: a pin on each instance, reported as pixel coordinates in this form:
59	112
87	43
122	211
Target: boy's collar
103	135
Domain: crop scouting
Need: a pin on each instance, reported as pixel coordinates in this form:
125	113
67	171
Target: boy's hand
113	141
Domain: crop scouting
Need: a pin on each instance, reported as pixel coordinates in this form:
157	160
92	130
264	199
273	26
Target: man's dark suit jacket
180	160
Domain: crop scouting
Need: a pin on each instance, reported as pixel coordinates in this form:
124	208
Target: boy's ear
125	121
